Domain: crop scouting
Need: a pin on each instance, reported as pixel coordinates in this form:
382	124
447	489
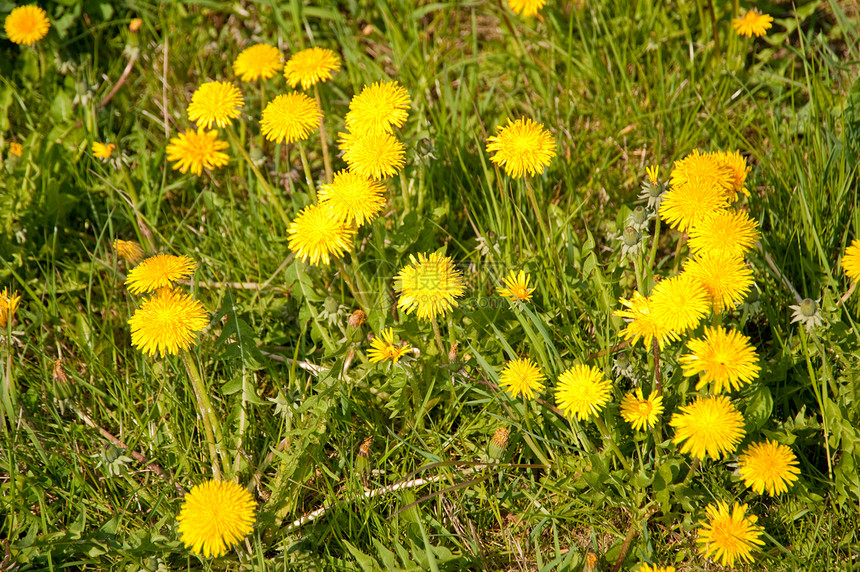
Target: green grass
620	85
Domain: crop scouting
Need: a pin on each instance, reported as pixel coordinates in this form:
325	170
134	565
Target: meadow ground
681	196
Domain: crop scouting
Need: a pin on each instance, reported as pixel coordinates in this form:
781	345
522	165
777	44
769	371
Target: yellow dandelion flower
260	61
167	322
8	306
522	146
374	155
753	23
732	232
724	358
318	236
641	413
655	568
710	426
768	466
129	250
429	285
382	348
706	169
526	8
215	102
381	106
16	149
134	25
521	377
851	261
729	534
352	198
215	515
27	25
679	303
290	117
310	67
726	278
739	169
516	286
687	206
103	150
193	151
642	324
582	391
159	271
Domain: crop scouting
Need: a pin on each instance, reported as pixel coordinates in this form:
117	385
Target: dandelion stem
359	282
323	140
438	336
658	378
715	30
625	546
211	425
132	193
543	224
818	397
606	435
261	181
678	247
637	272
9	395
309	178
312	310
357	293
847	294
694	466
654	242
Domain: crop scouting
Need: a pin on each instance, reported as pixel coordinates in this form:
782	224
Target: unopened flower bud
452	354
356	319
630	237
639	215
330	305
256	154
808	307
362	460
590	562
61	380
499	444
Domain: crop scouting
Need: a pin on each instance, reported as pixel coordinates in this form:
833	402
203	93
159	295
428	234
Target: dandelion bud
61	380
499	444
590	562
134	25
630	237
330	305
808	307
452	354
639	215
257	155
59	373
752	296
362	460
356	319
808	314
